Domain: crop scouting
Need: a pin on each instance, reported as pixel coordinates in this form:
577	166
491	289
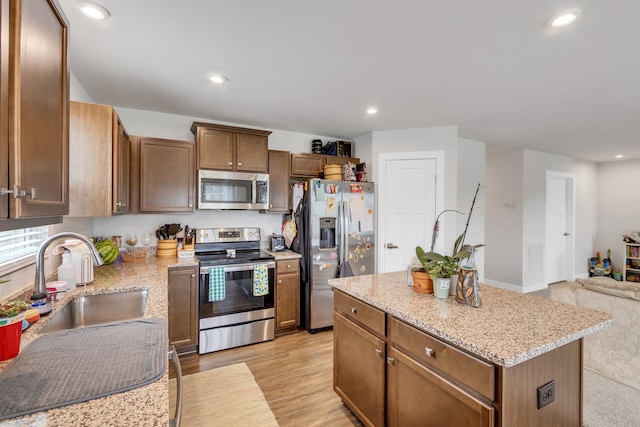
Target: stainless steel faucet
39	284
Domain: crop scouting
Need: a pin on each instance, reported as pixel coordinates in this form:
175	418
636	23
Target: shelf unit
632	262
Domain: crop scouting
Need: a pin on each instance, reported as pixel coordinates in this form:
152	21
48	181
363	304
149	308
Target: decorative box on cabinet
99	151
287	295
231	148
162	175
183	308
34	96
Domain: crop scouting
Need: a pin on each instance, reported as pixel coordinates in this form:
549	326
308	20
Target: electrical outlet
546	394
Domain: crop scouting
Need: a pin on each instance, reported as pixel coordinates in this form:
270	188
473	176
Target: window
17	247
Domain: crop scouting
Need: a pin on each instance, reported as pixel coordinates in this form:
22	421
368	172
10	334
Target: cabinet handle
4	191
354	310
390	360
19	194
429	352
378	352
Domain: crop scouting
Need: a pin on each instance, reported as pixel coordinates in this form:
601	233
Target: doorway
559	227
410	194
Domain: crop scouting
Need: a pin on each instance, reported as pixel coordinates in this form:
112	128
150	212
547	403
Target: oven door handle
240	267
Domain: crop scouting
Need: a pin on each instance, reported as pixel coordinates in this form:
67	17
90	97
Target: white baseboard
516	288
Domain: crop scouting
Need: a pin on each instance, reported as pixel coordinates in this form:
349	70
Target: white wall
504	211
516	230
618	206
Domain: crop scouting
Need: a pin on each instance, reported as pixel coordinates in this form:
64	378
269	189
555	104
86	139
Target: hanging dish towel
216	284
260	280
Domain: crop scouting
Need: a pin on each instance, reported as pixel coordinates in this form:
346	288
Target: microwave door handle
254	190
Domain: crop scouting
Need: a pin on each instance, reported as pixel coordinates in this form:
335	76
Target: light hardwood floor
295	373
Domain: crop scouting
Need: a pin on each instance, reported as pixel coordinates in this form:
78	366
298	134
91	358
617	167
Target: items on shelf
600	267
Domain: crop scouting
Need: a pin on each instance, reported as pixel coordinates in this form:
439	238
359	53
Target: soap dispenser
67	271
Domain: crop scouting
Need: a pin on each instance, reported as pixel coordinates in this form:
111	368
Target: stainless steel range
236	302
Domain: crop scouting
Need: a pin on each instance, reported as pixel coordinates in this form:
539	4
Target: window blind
17	246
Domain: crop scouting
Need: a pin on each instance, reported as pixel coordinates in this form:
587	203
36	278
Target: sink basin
98	309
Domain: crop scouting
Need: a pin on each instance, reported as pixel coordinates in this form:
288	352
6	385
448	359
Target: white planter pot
441	286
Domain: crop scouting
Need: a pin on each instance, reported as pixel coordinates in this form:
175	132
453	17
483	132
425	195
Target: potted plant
422	281
441	271
11	316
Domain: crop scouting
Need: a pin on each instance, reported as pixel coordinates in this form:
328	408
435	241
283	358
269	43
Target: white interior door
559	227
408	204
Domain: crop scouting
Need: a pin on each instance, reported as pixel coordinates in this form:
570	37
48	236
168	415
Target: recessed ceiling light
92	10
619	156
218	79
563	18
372	110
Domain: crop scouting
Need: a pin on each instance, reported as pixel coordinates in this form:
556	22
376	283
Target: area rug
608	403
227	396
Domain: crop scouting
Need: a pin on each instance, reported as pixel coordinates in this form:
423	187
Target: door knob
391	246
566	234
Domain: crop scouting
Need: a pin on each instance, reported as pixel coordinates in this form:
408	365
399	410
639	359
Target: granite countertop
143	406
287	254
508	329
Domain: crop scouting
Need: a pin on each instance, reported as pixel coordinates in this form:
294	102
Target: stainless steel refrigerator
340	242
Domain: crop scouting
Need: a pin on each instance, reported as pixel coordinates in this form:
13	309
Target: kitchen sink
98	309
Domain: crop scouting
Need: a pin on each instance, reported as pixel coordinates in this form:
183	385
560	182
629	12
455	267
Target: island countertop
143	406
508	329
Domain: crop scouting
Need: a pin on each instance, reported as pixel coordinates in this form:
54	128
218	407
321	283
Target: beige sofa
613	351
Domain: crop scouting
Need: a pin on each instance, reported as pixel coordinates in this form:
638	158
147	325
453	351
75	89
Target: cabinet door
359	370
278	181
288	301
215	149
251	153
120	167
167	175
4	109
416	396
38	111
183	308
307	165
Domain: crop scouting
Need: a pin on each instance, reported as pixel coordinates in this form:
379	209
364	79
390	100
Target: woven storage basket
333	172
167	248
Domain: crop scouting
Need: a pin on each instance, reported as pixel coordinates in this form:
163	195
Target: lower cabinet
183	308
287	295
359	370
416	394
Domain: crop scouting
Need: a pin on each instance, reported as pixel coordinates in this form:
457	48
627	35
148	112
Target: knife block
167	248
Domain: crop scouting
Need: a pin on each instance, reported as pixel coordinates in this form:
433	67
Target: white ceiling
490	67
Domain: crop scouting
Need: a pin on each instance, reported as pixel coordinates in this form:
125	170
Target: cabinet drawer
362	313
287	266
433	352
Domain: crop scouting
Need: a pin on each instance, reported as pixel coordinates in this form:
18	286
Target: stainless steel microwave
232	190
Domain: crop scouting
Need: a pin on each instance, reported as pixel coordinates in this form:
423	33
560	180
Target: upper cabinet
99	152
34	120
309	165
231	148
162	175
278	181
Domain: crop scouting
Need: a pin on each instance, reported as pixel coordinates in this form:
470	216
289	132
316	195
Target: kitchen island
143	406
516	361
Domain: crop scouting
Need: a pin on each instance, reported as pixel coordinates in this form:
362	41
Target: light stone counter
508	329
143	406
283	255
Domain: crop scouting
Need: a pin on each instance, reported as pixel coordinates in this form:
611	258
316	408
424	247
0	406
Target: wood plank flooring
295	373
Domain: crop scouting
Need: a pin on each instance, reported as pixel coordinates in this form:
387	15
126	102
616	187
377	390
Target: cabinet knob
230	164
193	275
239	164
4	191
288	265
190	205
429	352
354	310
390	360
19	194
378	352
279	282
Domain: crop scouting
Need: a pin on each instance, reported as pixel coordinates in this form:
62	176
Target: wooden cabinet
163	175
287	295
99	151
632	262
34	86
183	308
416	394
359	354
231	148
279	181
306	165
432	382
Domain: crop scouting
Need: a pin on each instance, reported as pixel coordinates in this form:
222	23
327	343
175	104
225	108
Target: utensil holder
167	248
